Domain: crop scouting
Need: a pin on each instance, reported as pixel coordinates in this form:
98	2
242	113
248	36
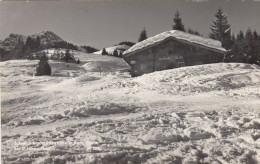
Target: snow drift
205	113
231	79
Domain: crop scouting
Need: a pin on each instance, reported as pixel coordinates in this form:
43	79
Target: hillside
110	50
96	113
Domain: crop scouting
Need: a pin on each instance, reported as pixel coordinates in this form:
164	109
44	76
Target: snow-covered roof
215	44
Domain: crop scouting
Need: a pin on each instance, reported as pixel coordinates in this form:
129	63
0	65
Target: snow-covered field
96	113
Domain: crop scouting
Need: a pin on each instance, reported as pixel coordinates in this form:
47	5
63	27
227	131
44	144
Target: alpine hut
172	49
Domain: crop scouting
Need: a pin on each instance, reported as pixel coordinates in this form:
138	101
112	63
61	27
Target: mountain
47	37
17	46
12	41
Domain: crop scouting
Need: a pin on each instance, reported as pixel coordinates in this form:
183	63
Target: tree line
34	45
116	53
243	47
43	67
24	50
89	49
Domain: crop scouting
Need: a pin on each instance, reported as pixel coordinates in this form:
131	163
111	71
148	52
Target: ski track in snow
206	113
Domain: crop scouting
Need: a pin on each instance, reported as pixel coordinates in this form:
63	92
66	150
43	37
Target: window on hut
164	58
132	62
181	64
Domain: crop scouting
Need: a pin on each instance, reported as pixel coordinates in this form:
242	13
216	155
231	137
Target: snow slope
178	35
221	79
84	114
110	50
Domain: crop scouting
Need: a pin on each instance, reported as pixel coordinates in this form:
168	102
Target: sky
106	23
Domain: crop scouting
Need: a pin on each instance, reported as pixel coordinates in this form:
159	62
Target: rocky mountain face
12	41
46	38
17	46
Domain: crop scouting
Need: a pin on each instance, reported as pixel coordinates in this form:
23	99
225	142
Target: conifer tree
251	46
178	25
115	53
221	29
240	36
29	43
142	36
78	61
256	40
233	39
240	48
19	49
232	53
104	52
33	44
248	45
37	43
120	54
67	55
43	67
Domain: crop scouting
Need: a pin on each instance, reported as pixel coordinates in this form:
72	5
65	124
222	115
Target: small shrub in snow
120	54
43	67
104	52
115	53
67	56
